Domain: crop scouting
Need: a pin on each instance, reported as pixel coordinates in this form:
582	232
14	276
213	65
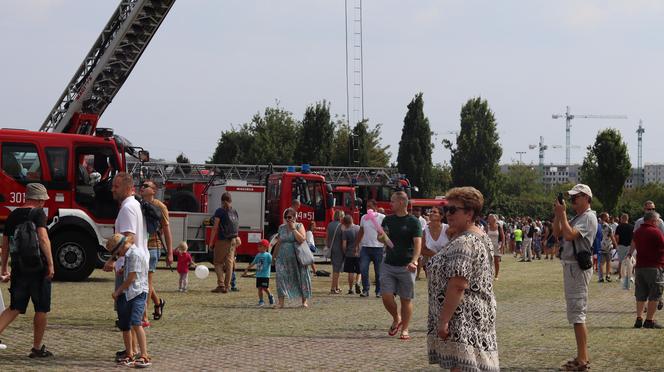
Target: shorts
154	259
22	289
518	245
648	283
622	252
604	257
130	313
575	284
397	280
262	282
352	265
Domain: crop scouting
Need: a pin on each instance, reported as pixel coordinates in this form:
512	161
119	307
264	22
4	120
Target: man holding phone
578	235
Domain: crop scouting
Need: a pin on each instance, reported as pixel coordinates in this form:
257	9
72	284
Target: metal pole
350	139
568	125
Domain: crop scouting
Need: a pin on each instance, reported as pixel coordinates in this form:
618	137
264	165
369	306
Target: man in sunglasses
578	236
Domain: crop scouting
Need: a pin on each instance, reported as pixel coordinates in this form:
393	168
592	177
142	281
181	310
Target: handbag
303	254
584	258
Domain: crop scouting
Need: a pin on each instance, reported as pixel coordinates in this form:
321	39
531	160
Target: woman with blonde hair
293	279
461	328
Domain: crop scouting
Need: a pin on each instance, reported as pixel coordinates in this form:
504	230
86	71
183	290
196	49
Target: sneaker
358	290
270	299
652	324
601	280
378	295
2	346
350	291
660	305
43	353
219	290
235	289
638	323
261	303
364	294
608	279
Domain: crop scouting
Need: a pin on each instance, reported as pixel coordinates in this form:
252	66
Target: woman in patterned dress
462	307
293	280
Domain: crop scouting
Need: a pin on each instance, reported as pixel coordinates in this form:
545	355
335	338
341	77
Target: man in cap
578	235
26	285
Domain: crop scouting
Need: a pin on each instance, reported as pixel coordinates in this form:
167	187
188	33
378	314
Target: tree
317	135
606	168
415	147
370	152
477	152
441	179
341	143
269	138
232	146
183	159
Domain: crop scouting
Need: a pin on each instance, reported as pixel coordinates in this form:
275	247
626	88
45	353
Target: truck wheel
183	201
74	256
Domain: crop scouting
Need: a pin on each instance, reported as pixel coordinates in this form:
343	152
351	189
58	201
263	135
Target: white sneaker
2	346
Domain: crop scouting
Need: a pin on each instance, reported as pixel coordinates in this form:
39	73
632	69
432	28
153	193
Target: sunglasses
650	209
146	186
453	209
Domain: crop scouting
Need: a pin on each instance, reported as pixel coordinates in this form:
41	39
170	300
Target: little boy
263	263
131	297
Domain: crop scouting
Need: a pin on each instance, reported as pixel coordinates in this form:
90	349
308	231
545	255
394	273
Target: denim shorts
37	288
130	313
154	258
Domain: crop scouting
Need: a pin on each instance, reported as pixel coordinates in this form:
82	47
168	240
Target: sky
214	64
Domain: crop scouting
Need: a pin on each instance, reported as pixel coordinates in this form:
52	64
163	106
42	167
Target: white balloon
202	272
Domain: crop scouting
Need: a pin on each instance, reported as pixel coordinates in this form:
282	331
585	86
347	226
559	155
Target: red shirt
184	259
649	243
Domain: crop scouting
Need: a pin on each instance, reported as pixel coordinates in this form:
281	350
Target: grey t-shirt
586	224
349	235
639	222
135	263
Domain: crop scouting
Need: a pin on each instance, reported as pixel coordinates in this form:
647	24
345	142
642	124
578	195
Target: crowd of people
457	247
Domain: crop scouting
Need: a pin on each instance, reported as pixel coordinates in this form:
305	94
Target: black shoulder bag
584	258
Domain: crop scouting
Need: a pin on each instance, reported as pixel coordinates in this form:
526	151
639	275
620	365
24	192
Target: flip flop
394	329
404	337
159	309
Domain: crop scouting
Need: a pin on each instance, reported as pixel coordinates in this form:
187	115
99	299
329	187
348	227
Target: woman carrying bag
293	279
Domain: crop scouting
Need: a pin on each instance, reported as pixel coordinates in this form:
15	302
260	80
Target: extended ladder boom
108	64
188	173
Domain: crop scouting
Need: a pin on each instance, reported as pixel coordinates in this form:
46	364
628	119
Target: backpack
230	224
27	253
152	215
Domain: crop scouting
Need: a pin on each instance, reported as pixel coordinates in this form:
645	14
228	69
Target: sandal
159	309
126	361
335	291
394	329
142	362
574	365
404	336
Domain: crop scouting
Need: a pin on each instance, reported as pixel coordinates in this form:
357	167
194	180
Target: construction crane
568	125
542	147
639	167
106	67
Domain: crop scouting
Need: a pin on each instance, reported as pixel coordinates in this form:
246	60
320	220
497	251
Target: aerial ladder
106	67
568	125
255	174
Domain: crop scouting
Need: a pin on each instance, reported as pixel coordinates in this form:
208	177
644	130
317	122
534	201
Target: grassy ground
206	331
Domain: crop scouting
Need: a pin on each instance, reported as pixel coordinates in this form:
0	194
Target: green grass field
203	330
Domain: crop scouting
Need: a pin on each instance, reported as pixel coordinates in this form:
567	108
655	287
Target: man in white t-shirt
371	248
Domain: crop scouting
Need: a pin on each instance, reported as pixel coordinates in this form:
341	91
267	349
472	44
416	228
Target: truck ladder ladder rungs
109	62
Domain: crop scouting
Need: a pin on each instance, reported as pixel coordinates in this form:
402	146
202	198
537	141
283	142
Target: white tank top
436	245
494	235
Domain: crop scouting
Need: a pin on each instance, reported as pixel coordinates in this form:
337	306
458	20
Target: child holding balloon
184	261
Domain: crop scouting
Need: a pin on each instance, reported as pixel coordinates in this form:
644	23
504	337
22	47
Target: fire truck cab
77	171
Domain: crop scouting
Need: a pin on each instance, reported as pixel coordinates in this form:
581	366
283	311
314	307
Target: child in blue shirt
263	264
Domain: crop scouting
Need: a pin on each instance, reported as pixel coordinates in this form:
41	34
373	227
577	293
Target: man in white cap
578	234
30	279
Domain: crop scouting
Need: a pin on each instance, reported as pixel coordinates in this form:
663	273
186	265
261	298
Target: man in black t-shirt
624	233
29	286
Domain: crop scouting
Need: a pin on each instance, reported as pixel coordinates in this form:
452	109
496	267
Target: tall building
653	173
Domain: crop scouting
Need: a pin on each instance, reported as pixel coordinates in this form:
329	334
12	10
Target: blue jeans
368	255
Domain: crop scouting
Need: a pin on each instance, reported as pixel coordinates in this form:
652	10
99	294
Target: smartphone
560	198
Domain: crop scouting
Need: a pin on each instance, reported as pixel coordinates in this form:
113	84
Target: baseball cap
36	191
581	188
264	243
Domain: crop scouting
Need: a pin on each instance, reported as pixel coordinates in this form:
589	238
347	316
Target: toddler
184	261
263	264
131	296
312	244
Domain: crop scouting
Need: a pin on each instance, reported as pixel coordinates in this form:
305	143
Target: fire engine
77	161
